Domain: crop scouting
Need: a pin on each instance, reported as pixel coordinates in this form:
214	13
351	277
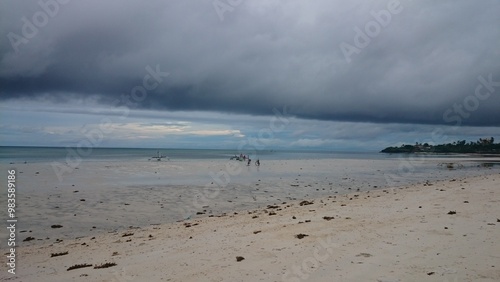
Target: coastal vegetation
482	146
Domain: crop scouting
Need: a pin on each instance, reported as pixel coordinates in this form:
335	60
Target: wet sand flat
101	196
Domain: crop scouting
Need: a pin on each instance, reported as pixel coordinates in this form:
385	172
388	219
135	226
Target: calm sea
49	154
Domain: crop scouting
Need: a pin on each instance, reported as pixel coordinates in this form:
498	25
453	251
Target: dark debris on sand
300	236
305	203
58	254
29	239
105	265
77	266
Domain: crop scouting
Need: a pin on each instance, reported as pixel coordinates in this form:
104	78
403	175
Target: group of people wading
245	158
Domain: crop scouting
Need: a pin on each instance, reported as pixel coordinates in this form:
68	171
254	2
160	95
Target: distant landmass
482	146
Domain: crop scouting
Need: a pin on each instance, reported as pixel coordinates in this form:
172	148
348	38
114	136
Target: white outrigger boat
158	157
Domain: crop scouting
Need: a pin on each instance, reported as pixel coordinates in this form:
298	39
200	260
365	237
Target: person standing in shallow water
257	162
249	161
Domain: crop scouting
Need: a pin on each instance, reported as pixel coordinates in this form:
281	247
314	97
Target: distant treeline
482	146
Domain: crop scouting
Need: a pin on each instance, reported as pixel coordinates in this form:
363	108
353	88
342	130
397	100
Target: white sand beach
407	233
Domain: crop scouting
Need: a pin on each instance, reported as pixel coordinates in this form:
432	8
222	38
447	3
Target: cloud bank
406	62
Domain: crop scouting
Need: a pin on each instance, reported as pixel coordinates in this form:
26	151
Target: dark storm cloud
423	64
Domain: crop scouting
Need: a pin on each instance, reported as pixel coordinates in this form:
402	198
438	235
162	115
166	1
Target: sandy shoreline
396	234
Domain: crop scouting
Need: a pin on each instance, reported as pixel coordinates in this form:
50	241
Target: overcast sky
325	74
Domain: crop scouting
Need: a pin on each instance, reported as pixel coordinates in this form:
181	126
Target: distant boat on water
158	157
